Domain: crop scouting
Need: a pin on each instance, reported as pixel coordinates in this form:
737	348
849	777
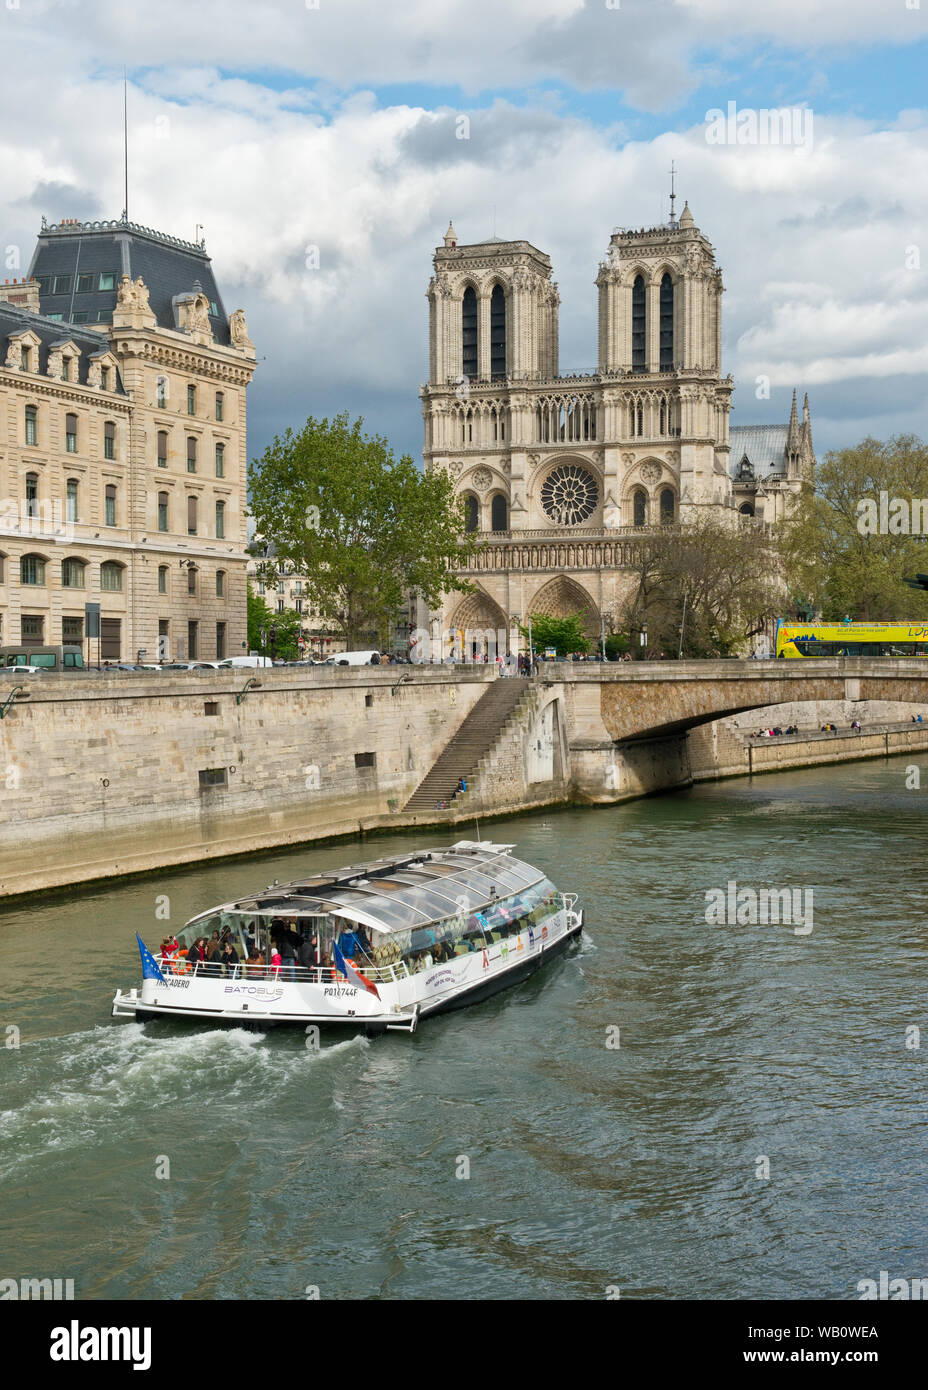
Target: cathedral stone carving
481	479
650	472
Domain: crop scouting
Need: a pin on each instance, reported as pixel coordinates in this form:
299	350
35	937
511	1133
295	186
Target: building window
211	707
498	517
32	424
104	378
365	759
32	630
32	494
110	638
667	507
32	570
191	454
191	580
70	433
109	440
111	577
191	400
62	284
218	405
471	512
220	521
72	574
162	511
24	359
497	332
469	332
79	316
280	605
162	579
640	508
72	486
220	641
639	347
162	448
85	284
220	583
213	776
161	392
110	504
72	631
666	324
191	516
192	641
220	460
103	316
45	284
261	587
107	280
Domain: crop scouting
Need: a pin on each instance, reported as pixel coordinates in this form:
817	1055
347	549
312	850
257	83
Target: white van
354	659
251	660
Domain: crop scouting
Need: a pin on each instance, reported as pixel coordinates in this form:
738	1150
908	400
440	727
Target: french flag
350	973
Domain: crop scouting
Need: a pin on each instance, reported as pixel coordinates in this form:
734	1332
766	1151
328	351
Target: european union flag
150	968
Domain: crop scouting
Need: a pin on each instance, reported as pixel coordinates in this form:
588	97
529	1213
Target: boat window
393	912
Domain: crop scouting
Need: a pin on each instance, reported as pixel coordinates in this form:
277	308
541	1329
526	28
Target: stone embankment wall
104	775
726	748
112	774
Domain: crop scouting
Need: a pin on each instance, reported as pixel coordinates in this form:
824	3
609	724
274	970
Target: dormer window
24	359
104	378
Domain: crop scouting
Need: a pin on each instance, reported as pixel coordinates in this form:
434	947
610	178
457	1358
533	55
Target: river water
637	1167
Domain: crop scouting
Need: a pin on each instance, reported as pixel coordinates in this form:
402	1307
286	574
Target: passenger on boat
255	959
308	952
171	948
194	954
213	948
228	957
276	962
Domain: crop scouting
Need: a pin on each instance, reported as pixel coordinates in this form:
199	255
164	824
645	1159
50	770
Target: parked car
368	658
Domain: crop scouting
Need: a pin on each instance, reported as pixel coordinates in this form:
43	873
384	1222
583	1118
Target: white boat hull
464	980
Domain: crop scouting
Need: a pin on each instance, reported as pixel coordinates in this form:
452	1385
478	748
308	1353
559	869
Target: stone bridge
631	701
620	730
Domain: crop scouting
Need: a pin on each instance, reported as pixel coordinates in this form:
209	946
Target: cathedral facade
564	477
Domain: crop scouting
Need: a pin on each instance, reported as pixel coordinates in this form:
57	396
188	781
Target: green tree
564	634
360	527
830	557
715	580
273	634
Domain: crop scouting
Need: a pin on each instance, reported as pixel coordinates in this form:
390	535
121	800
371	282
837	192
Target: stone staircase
472	742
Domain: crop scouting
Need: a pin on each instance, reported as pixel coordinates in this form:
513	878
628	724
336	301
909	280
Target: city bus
797	638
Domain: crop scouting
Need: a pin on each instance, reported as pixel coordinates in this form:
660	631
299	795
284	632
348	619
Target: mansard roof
53	333
169	266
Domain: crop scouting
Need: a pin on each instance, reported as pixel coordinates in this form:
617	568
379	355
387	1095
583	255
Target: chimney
23	293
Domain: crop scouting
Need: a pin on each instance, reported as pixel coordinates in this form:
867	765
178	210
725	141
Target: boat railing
285	974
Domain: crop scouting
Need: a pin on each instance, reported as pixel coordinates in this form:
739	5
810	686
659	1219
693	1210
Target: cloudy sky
291	125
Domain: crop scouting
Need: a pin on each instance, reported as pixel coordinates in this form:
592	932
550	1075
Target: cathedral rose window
569	495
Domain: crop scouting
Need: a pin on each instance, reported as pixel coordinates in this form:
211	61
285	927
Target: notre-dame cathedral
563	476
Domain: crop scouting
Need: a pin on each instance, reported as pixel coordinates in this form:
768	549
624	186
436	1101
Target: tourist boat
392	942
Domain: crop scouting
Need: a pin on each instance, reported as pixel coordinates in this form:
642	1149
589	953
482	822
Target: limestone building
563	475
122	446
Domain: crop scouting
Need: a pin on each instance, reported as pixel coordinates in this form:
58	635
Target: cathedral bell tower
660	330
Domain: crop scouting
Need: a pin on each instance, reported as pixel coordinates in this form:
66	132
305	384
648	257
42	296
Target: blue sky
289	127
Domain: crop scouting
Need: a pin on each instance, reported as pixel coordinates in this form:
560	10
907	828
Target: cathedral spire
451	237
686	217
792	437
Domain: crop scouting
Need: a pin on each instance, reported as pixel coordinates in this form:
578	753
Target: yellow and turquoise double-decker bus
797	638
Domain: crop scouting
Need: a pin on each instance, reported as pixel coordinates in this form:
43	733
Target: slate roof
49	332
765	446
168	266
